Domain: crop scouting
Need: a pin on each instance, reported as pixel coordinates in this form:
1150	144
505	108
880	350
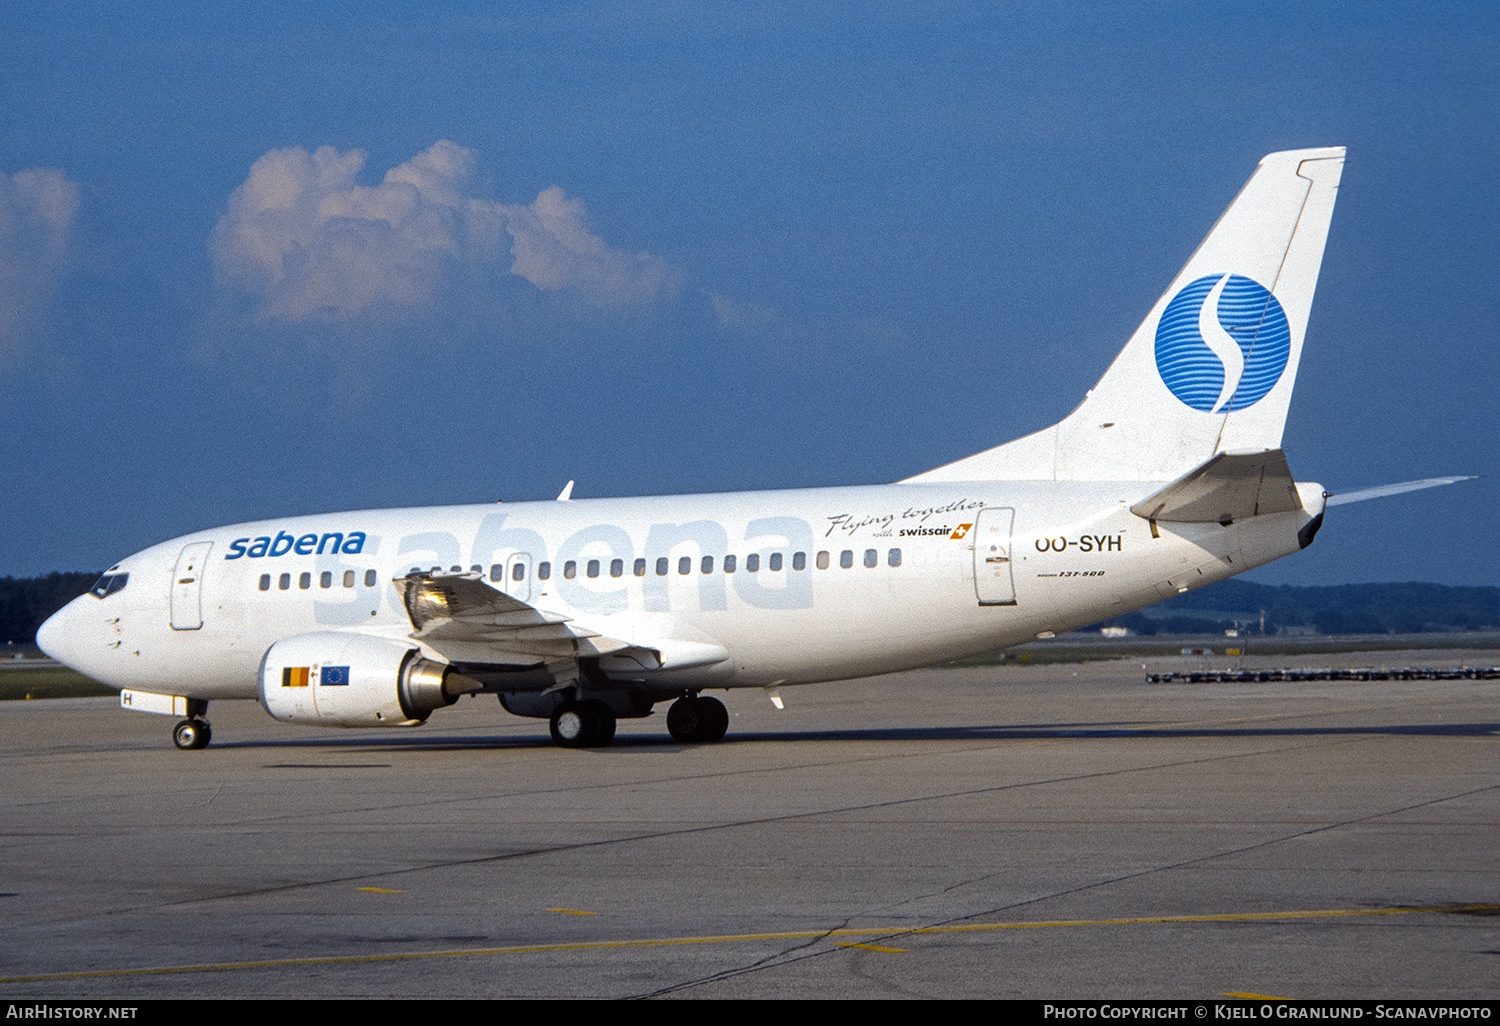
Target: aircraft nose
55	634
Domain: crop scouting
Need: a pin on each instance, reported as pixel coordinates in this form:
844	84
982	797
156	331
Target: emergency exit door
517	582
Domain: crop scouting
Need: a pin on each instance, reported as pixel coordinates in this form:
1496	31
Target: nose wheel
695	718
191	735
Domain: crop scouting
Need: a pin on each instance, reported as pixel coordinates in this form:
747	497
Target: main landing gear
695	718
191	735
589	724
692	719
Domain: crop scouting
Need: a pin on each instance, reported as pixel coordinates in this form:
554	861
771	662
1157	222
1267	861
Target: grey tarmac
1057	831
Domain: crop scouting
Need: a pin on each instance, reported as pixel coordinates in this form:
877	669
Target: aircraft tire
682	719
588	724
191	735
693	719
604	716
569	725
713	719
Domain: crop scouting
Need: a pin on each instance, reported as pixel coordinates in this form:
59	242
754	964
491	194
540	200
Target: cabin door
187	580
993	582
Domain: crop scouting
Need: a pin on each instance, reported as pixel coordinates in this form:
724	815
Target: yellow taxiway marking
572	912
1256	997
656	942
873	947
378	890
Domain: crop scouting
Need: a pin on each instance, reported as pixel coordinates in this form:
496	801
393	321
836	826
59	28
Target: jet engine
353	680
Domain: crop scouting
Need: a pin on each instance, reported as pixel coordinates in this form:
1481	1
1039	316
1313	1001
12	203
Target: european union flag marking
335	676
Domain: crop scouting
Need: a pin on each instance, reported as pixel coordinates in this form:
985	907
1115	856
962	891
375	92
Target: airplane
1169	475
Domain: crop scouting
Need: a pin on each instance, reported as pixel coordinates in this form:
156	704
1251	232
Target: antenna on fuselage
566	494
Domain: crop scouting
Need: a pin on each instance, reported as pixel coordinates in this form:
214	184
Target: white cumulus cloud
37	209
306	240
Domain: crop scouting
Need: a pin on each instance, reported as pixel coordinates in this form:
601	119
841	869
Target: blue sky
671	248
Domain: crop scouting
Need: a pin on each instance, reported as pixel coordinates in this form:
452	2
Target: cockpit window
109	584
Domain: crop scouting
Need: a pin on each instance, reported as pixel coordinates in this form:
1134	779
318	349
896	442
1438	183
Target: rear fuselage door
187	581
993	582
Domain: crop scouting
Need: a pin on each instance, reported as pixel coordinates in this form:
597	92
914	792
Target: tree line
26	601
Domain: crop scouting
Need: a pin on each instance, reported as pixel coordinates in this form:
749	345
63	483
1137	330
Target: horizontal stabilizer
1231	486
1340	498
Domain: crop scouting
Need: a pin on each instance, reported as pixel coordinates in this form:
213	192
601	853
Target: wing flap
466	609
465	618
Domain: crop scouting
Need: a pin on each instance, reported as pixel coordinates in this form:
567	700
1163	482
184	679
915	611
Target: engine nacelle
351	680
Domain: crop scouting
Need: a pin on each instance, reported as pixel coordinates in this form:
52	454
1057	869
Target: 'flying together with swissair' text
1169	475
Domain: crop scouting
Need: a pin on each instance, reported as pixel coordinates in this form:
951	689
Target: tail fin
1211	369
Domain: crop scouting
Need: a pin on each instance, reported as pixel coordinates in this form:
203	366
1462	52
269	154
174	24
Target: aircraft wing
464	608
462	616
1230	486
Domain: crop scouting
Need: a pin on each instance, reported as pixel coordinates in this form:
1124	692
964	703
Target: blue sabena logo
1222	343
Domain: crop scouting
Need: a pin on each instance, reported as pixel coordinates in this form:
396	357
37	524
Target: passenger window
846	559
708	564
369	578
348	578
729	564
894	557
661	567
325	580
570	569
616	567
872	558
823	561
265	582
518	572
497	572
799	561
685	565
285	582
775	563
752	562
593	568
640	568
305	581
544	571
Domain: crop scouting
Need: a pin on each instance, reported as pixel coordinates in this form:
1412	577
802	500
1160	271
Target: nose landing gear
191	735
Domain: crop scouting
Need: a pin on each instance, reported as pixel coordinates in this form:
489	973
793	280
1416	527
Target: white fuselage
765	578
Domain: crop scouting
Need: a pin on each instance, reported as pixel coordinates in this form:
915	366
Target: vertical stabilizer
1211	368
